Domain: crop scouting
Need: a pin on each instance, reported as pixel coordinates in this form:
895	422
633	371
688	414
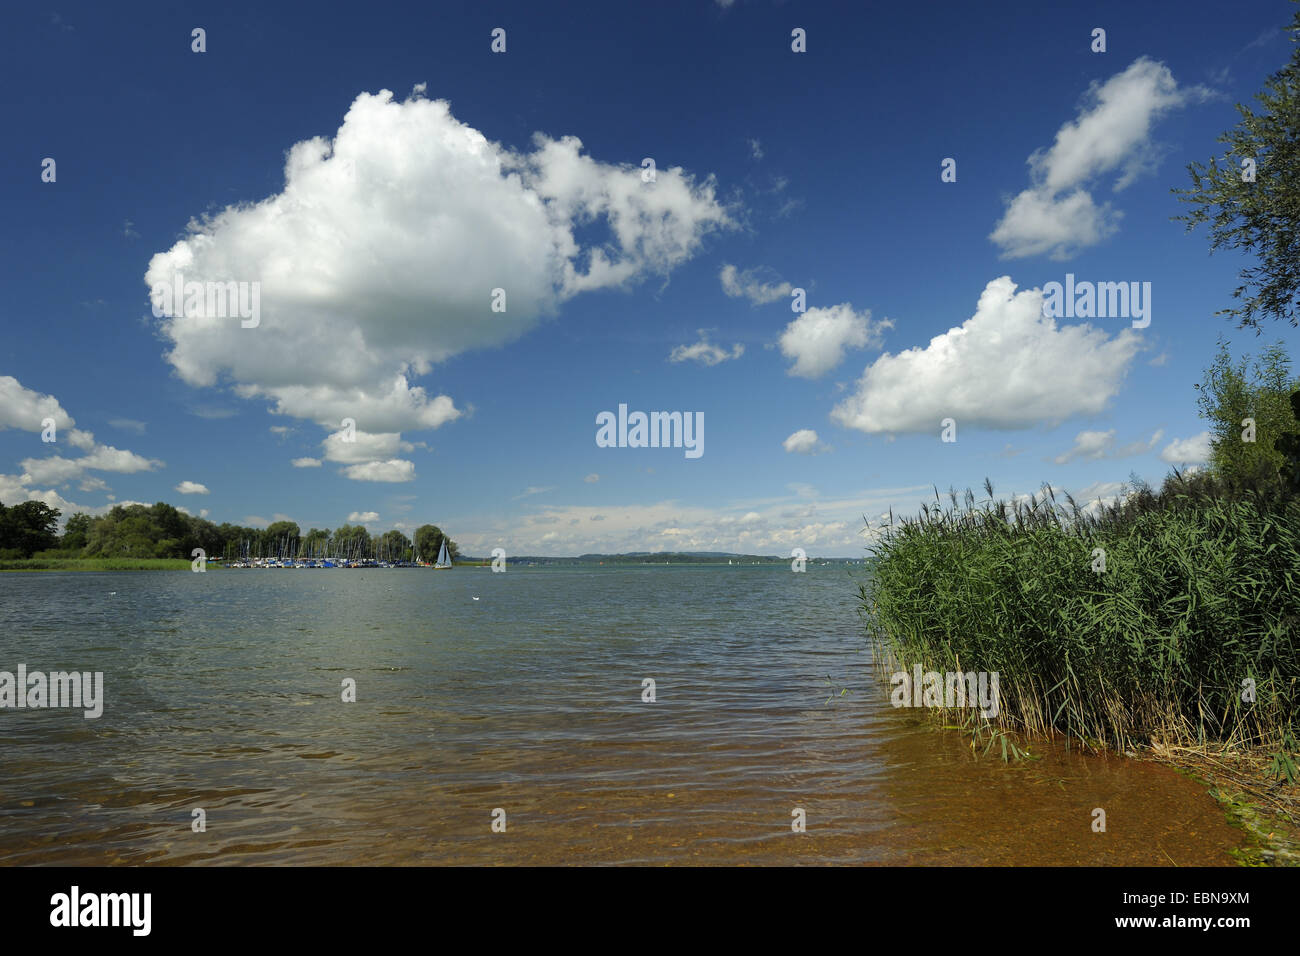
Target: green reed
1200	593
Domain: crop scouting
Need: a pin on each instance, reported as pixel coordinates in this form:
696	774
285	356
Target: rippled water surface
223	693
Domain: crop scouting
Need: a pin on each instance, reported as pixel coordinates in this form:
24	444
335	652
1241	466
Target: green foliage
76	532
136	533
1288	446
50	563
1263	216
1199	593
394	546
1261	390
28	527
1283	766
428	541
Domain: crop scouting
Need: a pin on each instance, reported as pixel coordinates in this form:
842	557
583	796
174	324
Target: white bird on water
476	599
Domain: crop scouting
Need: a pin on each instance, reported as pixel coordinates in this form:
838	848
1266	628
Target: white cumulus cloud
393	470
1188	451
379	257
705	352
192	488
1112	132
819	337
1008	366
804	442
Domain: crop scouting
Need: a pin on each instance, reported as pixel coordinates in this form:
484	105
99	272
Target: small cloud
128	231
393	470
705	352
592	478
805	442
1159	360
91	483
818	339
1263	40
759	285
306	463
213	412
755	149
363	517
789	208
191	488
128	425
281	430
1094	445
532	490
1187	451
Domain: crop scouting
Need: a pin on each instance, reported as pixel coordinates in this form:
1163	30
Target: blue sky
425	170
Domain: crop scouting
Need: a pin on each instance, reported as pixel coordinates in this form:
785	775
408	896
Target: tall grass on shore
96	564
1200	594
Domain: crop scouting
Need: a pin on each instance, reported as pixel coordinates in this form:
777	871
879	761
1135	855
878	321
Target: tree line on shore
164	531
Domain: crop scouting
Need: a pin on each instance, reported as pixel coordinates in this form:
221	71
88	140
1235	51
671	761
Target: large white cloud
379	259
1008	366
818	338
1111	132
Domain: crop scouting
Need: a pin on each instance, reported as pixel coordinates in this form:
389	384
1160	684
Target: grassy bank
1200	594
96	564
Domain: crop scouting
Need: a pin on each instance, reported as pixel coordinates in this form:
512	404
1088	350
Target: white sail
444	561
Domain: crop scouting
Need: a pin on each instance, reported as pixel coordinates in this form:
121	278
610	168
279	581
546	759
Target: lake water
223	692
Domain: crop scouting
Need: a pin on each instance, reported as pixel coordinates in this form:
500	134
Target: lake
523	692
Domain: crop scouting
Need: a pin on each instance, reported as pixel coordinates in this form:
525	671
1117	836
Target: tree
428	538
352	541
1252	201
1288	447
76	532
28	527
394	545
281	538
1262	392
316	543
428	541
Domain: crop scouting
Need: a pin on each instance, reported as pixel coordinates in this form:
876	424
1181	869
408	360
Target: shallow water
223	693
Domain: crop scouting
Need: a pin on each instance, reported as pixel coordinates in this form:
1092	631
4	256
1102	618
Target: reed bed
1200	594
96	564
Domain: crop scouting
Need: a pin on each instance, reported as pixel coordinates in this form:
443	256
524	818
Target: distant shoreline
184	564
